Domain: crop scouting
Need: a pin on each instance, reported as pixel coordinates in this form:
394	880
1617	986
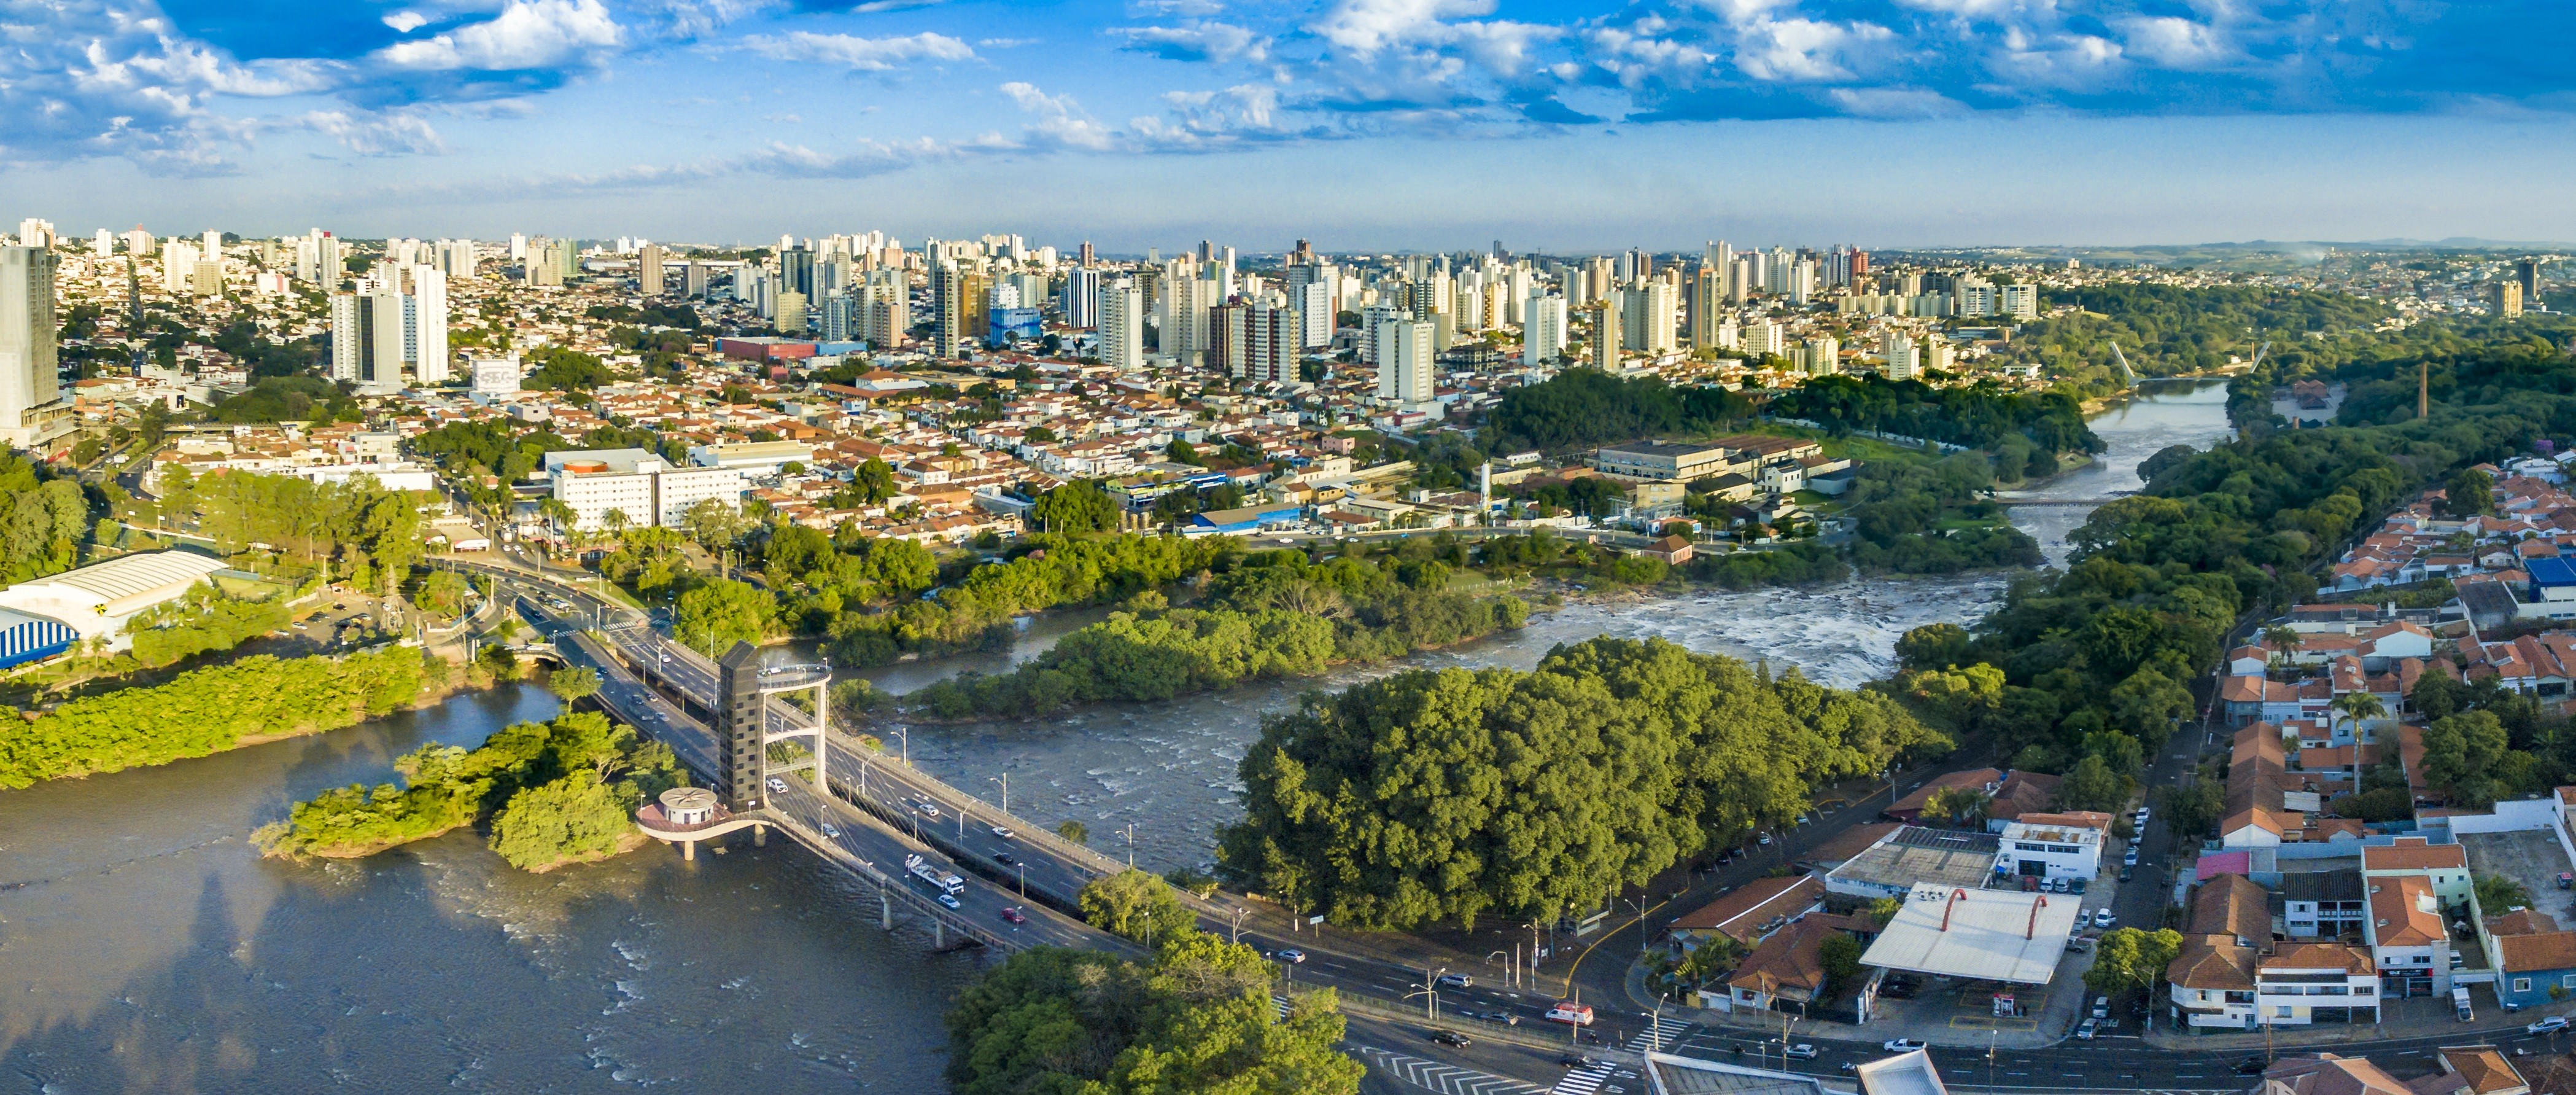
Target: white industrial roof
117	587
1983	935
1904	1074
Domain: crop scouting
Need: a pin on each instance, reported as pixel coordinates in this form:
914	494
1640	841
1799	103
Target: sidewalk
2423	1017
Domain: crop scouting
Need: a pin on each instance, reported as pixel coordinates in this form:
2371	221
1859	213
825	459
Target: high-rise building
32	410
1122	328
790	307
1404	363
104	245
2019	300
1086	254
1542	330
1976	297
693	279
1606	323
947	311
1081	305
2527	273
1904	356
1646	312
1763	338
1313	303
2504	298
178	265
648	267
428	316
1707	304
35	232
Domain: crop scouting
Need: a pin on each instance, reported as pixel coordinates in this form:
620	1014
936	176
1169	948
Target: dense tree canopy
1197	1019
1581	407
1452	795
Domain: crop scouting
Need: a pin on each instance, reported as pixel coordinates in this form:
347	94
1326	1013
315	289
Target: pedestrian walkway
1666	1033
1422	1072
1586	1080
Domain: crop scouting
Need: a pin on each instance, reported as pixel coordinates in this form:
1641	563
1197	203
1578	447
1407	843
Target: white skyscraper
349	336
1646	313
1763	338
1904	356
35	232
178	265
1542	330
1081	304
1404	362
1122	328
429	325
31	407
214	243
104	245
1314	304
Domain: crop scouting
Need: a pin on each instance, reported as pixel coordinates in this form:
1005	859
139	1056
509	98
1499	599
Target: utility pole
1005	780
1130	832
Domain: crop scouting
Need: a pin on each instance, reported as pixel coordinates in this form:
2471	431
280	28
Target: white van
2460	1001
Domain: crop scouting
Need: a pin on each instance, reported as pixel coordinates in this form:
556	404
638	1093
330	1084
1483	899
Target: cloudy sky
1357	123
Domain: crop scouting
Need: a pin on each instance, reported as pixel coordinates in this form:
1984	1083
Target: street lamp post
1130	833
1656	1018
1005	780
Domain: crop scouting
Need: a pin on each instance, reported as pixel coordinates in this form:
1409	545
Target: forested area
1195	1017
202	621
1268	615
309	399
2034	426
553	792
1915	517
362	533
42	521
1584	407
2165	330
2084	672
210	710
1456	795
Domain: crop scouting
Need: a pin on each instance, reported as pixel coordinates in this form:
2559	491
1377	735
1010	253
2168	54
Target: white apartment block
636	483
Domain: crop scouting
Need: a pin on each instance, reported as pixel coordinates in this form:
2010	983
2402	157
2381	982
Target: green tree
1959	805
2352	710
2130	960
577	817
874	481
573	684
1840	955
1074	831
1077	506
2498	894
2092	785
1933	646
1198	1017
2469	493
2192	810
1135	905
721	612
2460	755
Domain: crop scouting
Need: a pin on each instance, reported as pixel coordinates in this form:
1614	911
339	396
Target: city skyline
1363	124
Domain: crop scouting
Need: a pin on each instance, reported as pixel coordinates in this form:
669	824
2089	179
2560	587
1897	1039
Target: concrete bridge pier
689	851
760	836
885	910
939	934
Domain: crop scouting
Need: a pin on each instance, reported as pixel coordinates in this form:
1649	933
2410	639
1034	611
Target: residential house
2535	962
2444	866
2408	940
2328	1074
2322	904
2472	1070
2212	984
2305	983
1786	972
1749	912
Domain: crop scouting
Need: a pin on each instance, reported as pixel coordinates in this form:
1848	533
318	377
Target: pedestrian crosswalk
1663	1036
1447	1079
1587	1079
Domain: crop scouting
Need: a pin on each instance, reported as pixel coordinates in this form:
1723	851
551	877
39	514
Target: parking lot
2531	857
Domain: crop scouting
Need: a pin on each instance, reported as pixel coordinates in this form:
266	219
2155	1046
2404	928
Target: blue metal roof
2551	572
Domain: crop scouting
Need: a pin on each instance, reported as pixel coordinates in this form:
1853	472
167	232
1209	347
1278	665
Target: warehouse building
97	600
25	638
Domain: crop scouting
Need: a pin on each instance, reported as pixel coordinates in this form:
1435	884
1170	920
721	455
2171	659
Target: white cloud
1367	26
865	54
1060	122
527	34
405	22
374	134
2175	42
1215	43
1175	7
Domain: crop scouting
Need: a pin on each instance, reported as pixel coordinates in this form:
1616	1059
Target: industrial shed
25	638
98	599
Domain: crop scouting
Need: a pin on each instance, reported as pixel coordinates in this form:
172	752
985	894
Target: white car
1904	1045
929	809
1802	1051
2103	919
2551	1025
2129	858
1004	832
777	786
831	830
2085	1029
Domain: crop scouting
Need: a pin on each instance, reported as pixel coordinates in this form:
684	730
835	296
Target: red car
1015	916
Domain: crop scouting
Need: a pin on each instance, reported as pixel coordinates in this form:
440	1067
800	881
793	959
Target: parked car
2084	1030
2252	1066
1802	1051
1904	1045
2129	858
2101	1007
1573	1060
2103	919
2126	871
1450	1038
1291	956
2551	1025
1765	841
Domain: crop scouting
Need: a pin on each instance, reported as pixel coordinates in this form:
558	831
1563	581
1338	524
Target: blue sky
1358	123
